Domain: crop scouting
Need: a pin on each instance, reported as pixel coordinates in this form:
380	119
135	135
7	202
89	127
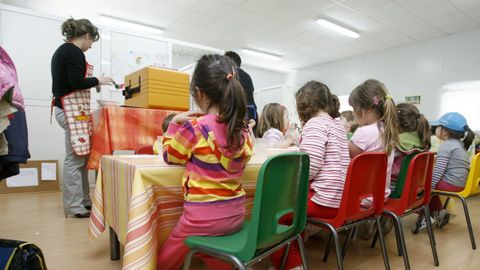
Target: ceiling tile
181	3
384	11
454	18
213	7
473	14
231	2
314	6
427	35
337	12
223	26
466	4
164	10
400	20
438	9
415	28
240	16
459	27
286	14
362	5
363	23
261	7
416	4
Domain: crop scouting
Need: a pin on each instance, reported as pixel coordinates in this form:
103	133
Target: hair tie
229	76
375	100
388	97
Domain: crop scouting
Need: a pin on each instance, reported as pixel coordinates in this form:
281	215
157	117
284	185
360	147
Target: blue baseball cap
451	120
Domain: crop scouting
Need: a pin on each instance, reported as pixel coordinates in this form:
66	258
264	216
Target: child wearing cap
453	162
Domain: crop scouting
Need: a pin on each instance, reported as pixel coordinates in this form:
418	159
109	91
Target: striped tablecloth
141	198
123	128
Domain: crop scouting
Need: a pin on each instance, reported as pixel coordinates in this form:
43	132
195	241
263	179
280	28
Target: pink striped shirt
325	141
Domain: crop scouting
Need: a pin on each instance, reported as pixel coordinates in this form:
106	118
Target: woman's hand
185	116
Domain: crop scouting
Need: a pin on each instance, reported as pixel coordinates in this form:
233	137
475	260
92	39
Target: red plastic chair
144	150
415	197
366	177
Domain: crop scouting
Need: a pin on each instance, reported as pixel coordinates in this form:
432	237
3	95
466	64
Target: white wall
263	78
418	69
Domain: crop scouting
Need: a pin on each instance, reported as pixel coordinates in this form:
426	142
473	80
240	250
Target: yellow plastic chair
474	175
471	187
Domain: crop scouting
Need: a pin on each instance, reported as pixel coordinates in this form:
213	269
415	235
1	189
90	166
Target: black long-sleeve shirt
247	84
68	71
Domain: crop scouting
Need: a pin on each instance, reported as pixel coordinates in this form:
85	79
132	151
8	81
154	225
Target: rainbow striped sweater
213	172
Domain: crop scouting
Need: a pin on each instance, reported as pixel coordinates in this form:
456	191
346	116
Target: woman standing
71	84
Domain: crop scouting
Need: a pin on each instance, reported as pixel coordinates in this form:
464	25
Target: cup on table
157	147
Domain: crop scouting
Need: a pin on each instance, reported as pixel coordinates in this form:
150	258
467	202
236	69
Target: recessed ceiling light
337	28
262	54
123	23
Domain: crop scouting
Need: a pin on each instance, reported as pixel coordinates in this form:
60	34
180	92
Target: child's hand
251	123
293	137
185	116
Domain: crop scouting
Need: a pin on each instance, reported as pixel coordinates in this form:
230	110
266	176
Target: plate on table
275	151
104	103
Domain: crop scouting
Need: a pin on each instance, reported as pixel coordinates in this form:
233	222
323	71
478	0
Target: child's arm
179	140
353	149
313	143
440	166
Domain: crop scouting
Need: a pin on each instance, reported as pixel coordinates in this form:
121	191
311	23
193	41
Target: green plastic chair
282	188
397	193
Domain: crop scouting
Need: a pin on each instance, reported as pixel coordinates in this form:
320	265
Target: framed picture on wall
412	99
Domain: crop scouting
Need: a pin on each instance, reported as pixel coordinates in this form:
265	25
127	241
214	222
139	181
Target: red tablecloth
123	128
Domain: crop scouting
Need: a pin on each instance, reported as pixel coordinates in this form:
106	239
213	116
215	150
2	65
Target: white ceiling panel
284	27
435	10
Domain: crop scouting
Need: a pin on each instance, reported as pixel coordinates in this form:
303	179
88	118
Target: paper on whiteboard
28	177
49	171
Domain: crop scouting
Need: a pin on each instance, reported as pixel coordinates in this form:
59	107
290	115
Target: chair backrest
144	150
282	188
402	175
473	179
365	181
418	182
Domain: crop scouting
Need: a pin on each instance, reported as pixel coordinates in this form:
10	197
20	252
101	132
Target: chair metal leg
469	223
382	243
431	235
401	245
446	203
351	232
285	256
336	241
397	238
188	260
375	238
302	251
327	248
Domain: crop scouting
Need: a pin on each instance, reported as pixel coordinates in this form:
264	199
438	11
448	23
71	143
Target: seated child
453	162
273	126
348	121
414	136
165	123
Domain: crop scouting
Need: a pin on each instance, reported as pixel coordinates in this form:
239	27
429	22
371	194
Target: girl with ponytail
377	119
413	137
215	146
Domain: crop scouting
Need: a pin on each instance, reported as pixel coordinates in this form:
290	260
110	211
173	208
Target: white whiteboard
129	53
